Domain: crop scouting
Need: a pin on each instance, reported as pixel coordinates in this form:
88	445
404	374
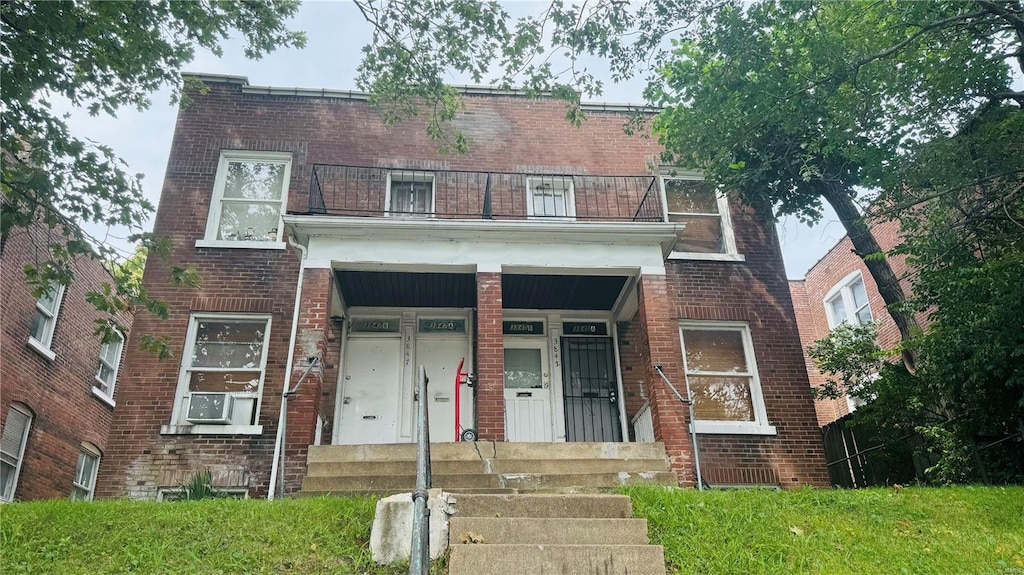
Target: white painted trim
557	384
623	420
568	197
211	430
489	268
177	419
728	232
418	229
410	175
250	245
760	425
216	204
41	349
733	428
706	257
50	328
103	397
842	290
114	370
29	419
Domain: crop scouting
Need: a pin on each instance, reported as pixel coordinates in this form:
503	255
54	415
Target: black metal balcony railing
368	191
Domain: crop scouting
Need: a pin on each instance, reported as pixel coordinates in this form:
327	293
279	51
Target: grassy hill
969	530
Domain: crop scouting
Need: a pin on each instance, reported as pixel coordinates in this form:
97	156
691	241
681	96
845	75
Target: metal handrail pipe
419	560
693	424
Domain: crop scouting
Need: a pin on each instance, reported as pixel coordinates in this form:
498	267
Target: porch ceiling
407	289
458	290
569	292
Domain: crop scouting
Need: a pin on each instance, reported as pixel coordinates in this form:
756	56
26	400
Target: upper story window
550	197
708	234
721	373
848	301
410	193
85	473
249	195
110	360
47	308
221	378
12	448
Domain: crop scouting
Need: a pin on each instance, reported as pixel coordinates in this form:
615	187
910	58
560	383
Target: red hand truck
462	378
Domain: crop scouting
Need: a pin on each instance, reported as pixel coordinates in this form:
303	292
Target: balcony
451	194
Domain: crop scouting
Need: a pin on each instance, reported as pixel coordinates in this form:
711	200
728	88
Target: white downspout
279	444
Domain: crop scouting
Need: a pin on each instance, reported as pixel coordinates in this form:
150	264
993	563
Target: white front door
370	391
440	356
527	391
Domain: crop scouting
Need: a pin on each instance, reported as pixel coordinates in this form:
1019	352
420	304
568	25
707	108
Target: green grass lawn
956	531
951	531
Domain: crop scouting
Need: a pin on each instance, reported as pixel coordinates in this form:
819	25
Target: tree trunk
840	197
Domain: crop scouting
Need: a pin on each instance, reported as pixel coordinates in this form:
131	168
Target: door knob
612	397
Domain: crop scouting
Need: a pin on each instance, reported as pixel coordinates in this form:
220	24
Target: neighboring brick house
839	288
57	379
342	252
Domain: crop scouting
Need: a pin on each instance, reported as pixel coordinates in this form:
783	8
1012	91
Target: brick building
338	253
839	288
57	379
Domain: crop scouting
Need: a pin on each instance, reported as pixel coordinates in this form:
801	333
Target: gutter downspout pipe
282	417
693	424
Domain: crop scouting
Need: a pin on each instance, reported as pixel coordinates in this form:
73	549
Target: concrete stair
549	534
486	467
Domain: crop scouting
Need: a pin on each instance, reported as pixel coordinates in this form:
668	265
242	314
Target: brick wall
809	296
505	133
59	391
754	292
490	358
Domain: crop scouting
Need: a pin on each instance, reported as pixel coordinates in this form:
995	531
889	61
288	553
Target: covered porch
531	309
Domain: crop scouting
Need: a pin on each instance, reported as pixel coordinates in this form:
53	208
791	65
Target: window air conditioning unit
209	408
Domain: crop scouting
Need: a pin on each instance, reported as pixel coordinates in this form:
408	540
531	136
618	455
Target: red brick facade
59	391
506	134
809	301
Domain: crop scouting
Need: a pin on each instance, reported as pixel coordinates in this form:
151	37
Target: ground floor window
85	473
12	448
721	373
222	370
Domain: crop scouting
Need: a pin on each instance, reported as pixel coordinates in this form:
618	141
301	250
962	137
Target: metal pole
693	425
419	560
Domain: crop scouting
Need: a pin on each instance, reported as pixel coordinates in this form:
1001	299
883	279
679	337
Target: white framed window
550	197
109	361
721	375
410	193
250	193
85	473
690	200
222	370
12	448
848	301
45	321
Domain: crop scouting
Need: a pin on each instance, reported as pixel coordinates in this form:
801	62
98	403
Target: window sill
41	349
251	245
211	430
707	257
104	397
734	428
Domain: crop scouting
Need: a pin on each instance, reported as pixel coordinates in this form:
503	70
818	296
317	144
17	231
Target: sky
335	34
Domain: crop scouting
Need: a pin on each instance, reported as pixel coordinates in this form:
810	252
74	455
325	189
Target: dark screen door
590	390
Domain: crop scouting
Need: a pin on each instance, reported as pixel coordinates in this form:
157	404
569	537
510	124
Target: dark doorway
590	390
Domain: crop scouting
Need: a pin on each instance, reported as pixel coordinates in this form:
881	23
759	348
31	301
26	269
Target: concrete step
595	506
556	560
550	531
499	466
486	450
518	481
360	468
